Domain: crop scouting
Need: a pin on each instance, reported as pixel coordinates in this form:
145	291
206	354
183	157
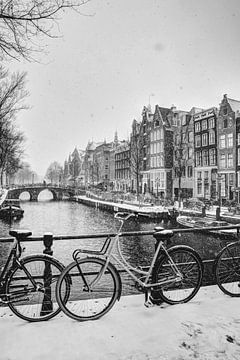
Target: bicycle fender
119	278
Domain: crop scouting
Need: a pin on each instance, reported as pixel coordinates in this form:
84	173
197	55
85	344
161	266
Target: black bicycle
227	269
27	285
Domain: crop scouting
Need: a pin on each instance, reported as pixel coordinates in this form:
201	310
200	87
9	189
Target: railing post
47	305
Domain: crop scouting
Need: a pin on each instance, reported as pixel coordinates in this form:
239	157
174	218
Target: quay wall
147	212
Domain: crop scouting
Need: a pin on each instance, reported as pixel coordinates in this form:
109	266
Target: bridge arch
34	191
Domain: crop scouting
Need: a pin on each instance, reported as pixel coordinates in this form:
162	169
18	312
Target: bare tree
11	150
54	172
12	94
22	22
181	152
136	154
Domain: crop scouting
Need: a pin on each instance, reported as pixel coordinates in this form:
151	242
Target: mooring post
47	305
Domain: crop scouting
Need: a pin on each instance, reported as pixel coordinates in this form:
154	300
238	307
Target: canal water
71	218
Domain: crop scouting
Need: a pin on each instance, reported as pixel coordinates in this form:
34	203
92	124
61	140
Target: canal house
205	153
227	166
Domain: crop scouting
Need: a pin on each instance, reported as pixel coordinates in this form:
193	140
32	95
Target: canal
71	218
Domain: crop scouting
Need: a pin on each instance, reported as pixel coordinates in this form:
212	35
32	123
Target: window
230	140
238	138
204	139
161	133
211	123
197	126
225	123
189	171
231	179
206	175
198	159
199	182
212	157
222	141
198	141
230	160
205	158
183	171
199	188
225	111
204	125
190	153
183	120
190	136
238	176
222	161
238	161
211	137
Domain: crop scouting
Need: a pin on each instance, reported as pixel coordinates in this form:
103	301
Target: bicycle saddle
20	233
163	234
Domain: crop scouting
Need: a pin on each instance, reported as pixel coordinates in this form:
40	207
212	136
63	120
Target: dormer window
225	111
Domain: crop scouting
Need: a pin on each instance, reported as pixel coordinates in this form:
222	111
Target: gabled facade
205	153
161	153
227	157
122	167
147	117
183	155
73	171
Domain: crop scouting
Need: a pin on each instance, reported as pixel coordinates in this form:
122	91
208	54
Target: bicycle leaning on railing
174	276
27	285
226	269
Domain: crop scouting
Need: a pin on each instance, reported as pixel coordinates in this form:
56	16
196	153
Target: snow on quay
208	327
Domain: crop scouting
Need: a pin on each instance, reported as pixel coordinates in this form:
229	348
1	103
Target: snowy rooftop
208	327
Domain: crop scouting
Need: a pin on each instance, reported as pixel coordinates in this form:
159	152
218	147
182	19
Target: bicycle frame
109	255
14	257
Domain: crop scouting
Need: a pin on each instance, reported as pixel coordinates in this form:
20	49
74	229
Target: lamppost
157	182
218	210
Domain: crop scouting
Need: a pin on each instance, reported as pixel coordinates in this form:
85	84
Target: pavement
207	327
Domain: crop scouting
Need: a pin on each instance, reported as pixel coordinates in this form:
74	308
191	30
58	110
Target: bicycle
226	269
27	284
174	276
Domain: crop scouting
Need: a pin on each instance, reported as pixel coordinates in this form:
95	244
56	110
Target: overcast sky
105	68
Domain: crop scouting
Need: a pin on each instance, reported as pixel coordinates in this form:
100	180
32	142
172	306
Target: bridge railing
48	238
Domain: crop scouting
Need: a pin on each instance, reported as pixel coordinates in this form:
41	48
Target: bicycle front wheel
227	269
31	288
90	297
175	291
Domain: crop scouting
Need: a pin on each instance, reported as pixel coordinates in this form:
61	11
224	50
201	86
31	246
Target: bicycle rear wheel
189	264
31	288
227	269
89	304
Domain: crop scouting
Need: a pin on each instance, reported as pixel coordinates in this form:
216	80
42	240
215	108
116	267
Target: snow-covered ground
208	327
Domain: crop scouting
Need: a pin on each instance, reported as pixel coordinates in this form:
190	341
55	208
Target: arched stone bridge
34	191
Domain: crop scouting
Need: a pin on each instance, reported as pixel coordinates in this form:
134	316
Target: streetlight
157	182
218	210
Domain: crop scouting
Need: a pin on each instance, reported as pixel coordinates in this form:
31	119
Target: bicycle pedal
148	303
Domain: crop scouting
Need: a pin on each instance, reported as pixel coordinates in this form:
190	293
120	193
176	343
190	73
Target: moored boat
203	222
11	212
